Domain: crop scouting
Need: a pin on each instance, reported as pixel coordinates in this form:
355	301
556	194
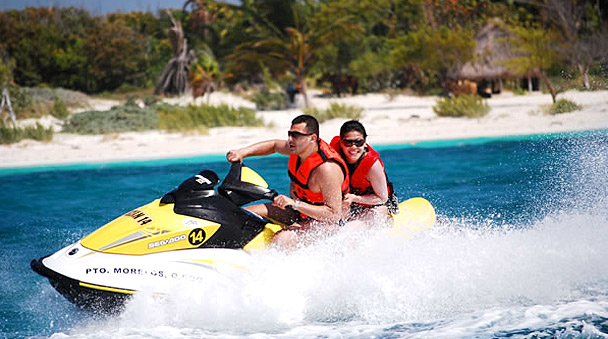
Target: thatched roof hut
490	55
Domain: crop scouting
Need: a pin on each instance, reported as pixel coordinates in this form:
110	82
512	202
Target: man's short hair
312	125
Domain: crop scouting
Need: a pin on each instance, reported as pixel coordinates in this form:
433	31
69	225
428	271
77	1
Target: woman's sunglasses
296	134
356	142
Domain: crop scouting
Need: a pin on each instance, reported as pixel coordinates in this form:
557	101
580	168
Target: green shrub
564	106
38	133
470	106
265	100
118	119
69	97
131	100
9	135
519	91
60	110
334	111
36	102
126	88
20	100
151	100
199	118
174	118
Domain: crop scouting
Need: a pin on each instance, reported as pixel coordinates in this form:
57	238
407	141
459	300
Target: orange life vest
300	173
359	182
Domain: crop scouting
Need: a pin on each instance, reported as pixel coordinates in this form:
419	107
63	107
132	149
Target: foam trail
453	271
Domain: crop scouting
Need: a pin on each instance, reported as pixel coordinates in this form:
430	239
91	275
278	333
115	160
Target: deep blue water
519	249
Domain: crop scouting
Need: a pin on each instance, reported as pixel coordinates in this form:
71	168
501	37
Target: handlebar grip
271	194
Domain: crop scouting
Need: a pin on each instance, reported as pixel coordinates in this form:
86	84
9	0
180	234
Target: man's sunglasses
356	142
296	134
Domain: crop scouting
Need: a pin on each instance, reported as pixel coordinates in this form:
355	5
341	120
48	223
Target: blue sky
98	7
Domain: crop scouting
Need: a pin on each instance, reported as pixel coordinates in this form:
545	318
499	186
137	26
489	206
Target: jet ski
191	233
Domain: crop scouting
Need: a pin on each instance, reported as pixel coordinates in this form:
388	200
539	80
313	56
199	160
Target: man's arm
262	148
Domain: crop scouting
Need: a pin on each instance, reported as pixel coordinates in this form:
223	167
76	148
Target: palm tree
292	49
204	75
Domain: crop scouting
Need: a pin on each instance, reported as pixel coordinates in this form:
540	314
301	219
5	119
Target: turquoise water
519	251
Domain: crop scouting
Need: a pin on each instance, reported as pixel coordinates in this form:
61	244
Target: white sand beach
398	120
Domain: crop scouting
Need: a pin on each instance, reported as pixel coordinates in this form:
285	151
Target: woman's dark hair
312	124
352	125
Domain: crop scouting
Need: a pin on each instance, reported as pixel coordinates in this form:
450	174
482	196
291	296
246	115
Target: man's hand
282	201
234	156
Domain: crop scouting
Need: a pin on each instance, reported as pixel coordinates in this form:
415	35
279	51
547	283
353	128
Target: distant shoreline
389	121
207	158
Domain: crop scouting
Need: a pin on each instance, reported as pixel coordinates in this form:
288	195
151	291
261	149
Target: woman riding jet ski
190	233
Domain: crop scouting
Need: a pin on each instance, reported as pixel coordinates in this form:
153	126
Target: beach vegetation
398	44
469	106
269	101
151	100
129	117
290	43
335	111
537	51
10	134
563	106
204	74
21	99
36	102
438	52
173	79
199	118
59	110
69	48
582	35
519	91
13	134
125	118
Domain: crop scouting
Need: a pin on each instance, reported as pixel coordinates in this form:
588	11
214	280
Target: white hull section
156	273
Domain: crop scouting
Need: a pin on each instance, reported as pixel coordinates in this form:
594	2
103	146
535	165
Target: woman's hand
349	199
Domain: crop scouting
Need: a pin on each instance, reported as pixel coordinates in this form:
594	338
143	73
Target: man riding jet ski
192	232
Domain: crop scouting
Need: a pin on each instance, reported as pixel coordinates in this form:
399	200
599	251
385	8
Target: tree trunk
6	100
302	89
585	74
174	77
549	86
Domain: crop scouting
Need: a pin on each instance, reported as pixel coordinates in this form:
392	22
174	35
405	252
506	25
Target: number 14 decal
196	236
